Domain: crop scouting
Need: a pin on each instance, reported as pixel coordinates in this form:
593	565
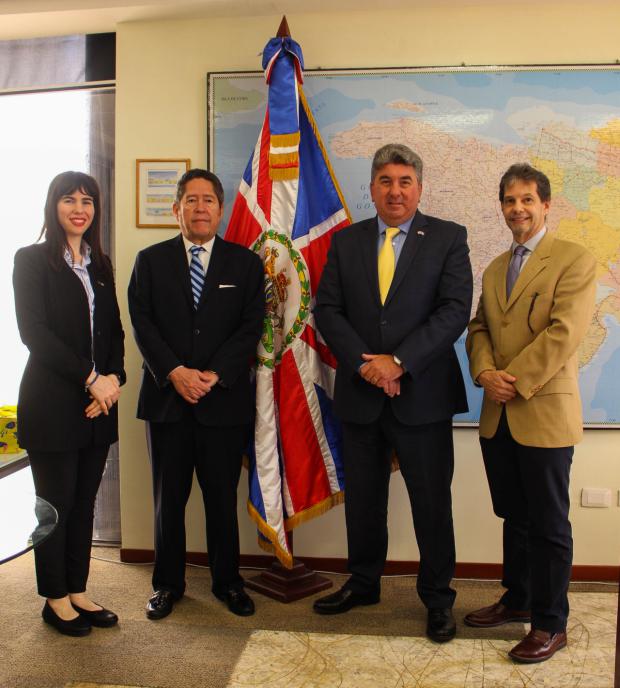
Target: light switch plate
598	497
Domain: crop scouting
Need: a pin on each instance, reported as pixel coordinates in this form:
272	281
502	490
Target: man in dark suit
197	304
394	296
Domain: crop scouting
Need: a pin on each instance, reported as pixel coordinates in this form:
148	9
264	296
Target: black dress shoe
238	601
160	604
343	600
75	627
102	618
441	626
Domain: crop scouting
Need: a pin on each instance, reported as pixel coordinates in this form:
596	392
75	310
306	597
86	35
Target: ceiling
29	18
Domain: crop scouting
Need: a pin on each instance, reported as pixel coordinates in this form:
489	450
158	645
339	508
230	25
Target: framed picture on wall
156	182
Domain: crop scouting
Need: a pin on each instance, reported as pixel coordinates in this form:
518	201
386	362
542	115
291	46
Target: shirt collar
404	228
188	244
532	243
85	250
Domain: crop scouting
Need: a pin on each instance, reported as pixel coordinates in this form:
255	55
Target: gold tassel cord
315	129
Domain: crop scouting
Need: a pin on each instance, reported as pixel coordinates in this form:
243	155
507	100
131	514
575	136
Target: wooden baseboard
468	570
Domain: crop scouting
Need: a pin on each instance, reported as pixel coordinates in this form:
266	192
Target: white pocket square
227	286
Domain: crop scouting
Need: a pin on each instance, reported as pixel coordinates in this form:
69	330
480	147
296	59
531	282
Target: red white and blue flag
288	206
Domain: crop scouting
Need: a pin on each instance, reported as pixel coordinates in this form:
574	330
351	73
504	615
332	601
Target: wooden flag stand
288	585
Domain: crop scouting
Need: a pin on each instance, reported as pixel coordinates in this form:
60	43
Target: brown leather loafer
495	615
537	646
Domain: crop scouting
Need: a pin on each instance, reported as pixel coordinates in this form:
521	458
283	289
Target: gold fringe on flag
314	511
281	174
285	140
281	159
273	546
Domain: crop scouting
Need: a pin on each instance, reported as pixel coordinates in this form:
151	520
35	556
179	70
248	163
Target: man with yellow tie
394	297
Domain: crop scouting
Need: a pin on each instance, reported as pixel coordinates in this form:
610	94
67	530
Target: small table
10	463
25	521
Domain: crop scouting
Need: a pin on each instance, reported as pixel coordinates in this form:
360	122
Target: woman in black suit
68	318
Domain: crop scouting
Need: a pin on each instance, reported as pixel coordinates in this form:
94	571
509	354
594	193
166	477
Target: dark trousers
69	481
529	490
426	457
215	453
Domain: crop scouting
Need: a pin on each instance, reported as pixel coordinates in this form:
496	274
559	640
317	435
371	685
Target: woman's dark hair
65	184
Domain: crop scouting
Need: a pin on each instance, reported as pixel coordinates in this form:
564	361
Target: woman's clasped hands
104	392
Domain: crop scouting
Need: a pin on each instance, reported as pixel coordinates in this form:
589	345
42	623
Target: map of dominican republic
469	126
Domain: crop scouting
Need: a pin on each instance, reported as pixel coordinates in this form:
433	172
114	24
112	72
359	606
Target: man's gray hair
396	154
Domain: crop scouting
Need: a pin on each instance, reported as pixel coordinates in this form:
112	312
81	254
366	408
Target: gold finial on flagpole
284	31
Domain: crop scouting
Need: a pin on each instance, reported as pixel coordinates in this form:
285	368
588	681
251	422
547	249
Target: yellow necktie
387	262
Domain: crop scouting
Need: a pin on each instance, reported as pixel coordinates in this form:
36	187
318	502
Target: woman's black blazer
54	323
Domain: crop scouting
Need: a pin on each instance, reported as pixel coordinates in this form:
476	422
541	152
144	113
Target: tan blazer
534	336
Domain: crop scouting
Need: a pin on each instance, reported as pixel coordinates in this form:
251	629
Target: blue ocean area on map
602	399
329	106
474	394
242	137
579	84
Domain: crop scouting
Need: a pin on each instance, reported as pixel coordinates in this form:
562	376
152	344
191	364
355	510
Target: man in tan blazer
536	305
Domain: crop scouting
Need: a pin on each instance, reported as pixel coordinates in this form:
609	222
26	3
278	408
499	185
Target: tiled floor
281	659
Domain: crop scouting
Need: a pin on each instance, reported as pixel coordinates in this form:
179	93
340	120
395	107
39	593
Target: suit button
196	331
383	323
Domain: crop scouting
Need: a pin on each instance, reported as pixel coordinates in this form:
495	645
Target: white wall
161	112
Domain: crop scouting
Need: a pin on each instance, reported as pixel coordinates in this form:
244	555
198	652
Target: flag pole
293	476
278	582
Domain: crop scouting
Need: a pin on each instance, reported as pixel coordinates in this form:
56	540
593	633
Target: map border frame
211	76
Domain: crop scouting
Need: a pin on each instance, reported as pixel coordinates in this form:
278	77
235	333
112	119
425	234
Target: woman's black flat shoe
76	627
102	618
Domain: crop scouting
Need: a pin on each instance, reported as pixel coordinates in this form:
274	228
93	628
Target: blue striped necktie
196	274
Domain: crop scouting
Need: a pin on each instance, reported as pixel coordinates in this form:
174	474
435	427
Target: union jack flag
288	205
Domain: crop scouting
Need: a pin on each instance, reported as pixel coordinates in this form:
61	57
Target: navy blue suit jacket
426	310
221	335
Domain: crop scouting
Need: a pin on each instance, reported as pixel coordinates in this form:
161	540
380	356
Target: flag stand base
288	585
